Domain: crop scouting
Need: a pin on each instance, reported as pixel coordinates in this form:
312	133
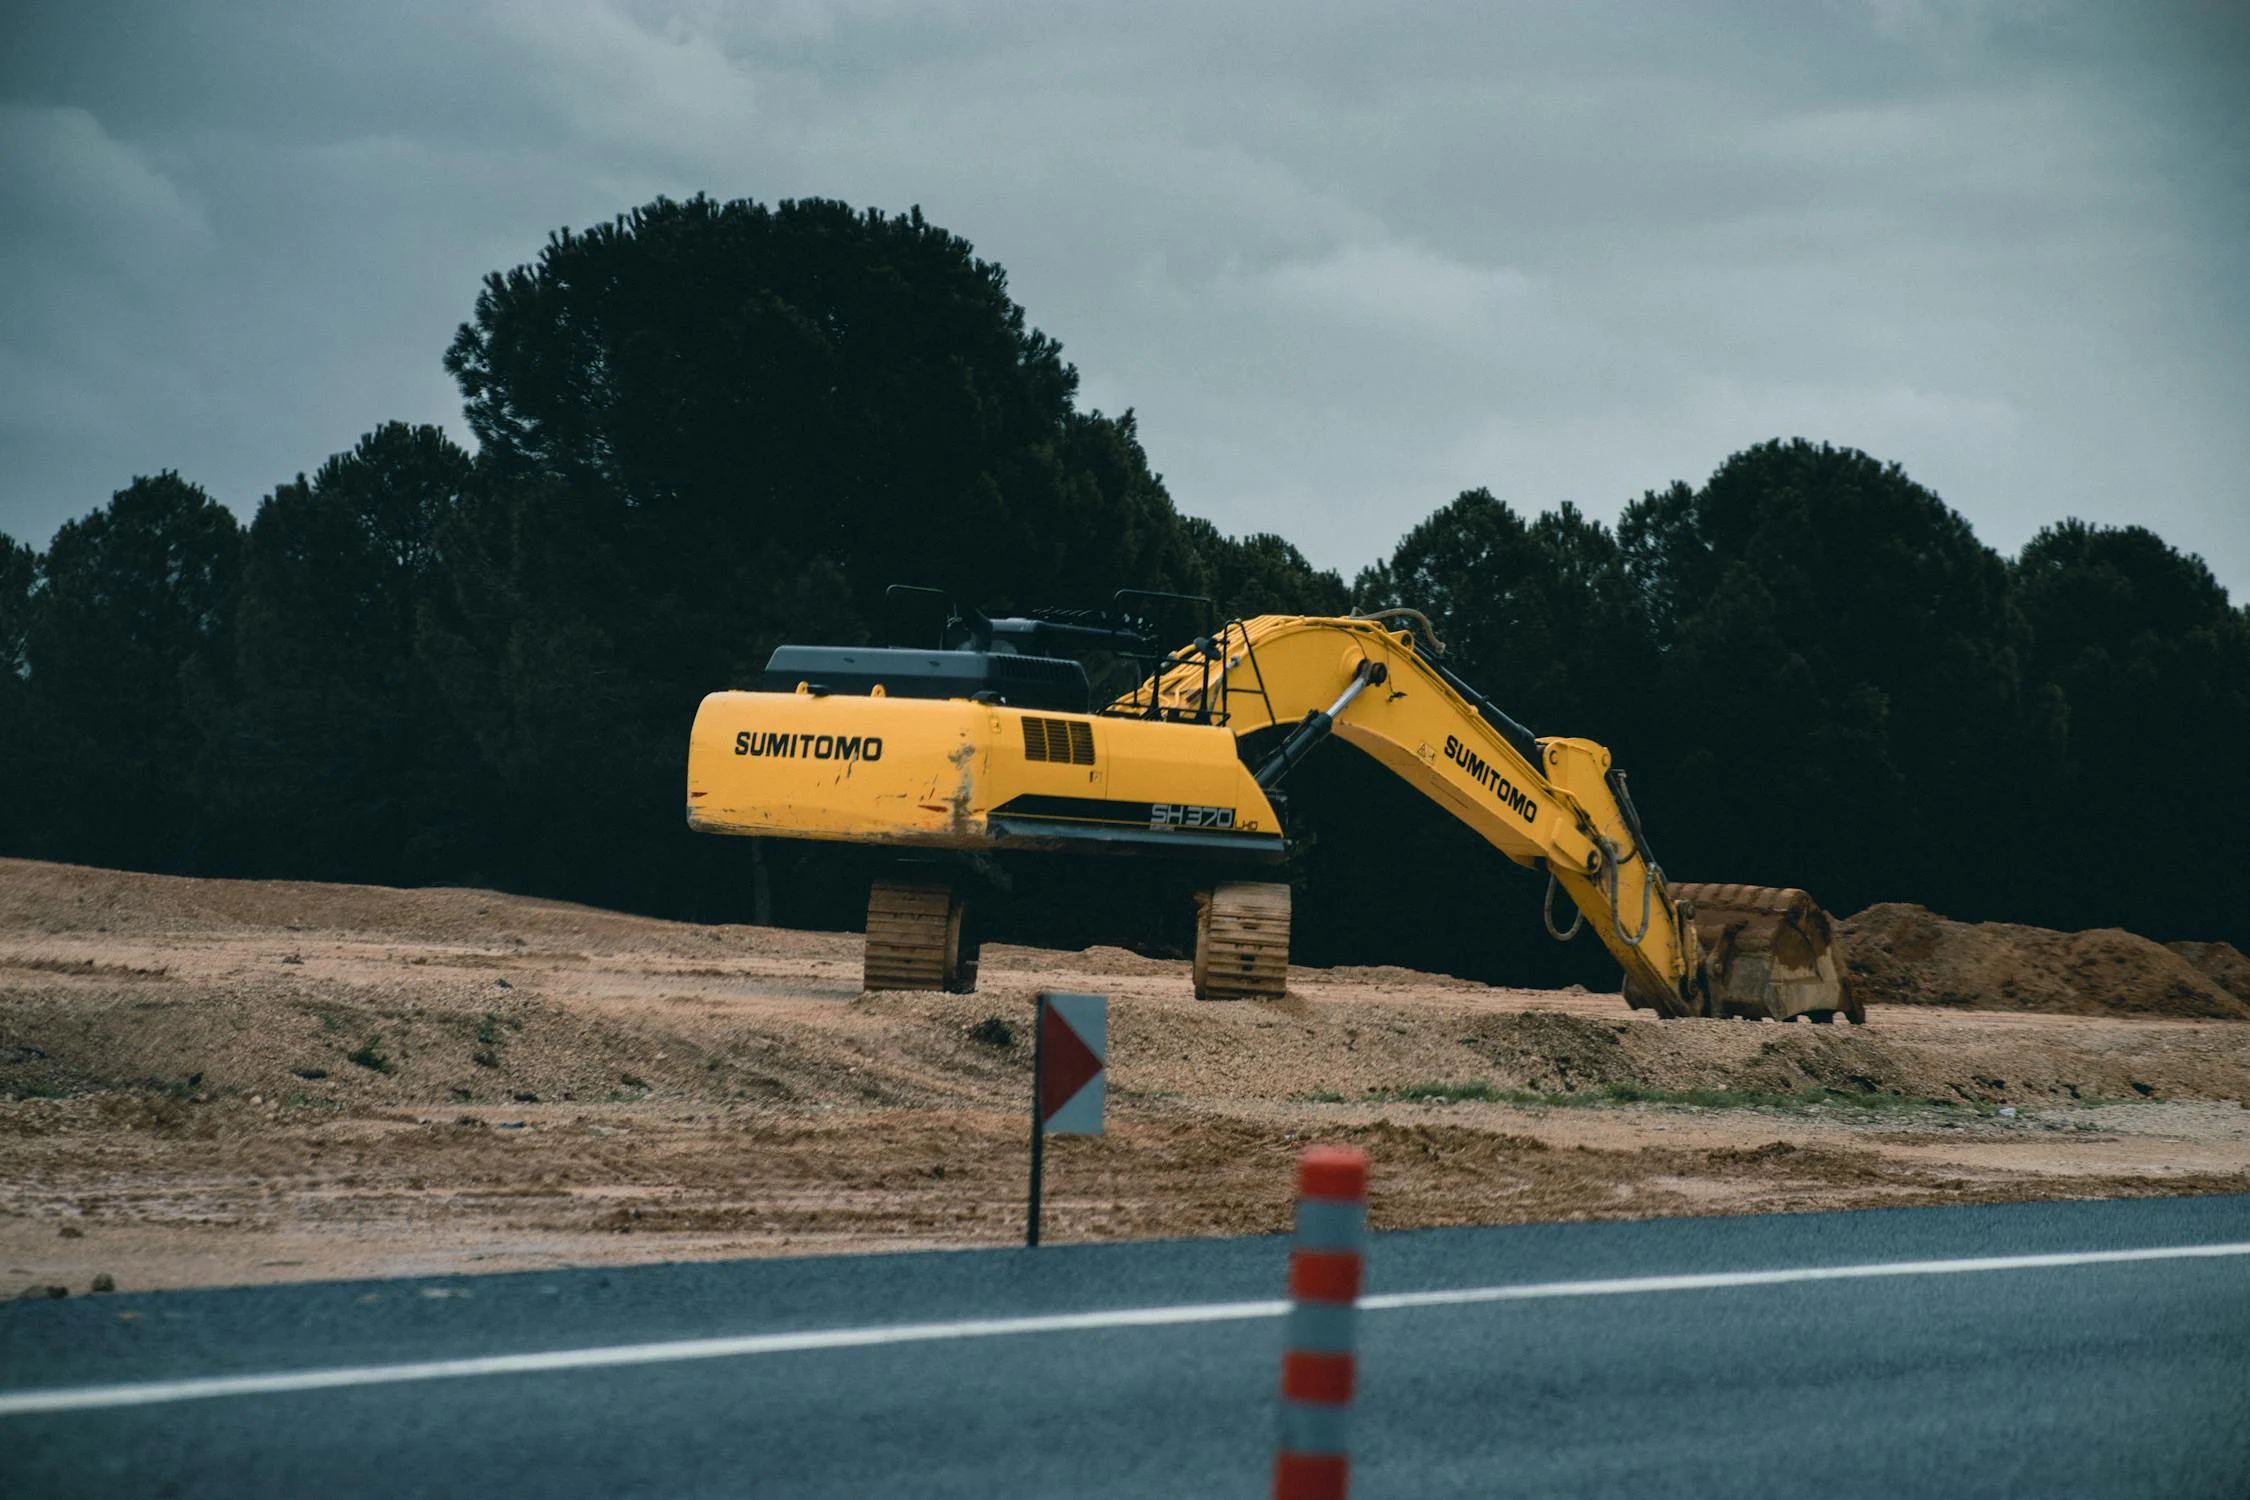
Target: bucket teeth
1768	951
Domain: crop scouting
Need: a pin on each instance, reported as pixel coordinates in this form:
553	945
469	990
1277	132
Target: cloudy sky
1344	260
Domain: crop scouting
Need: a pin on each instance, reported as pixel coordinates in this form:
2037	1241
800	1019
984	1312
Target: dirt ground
210	1082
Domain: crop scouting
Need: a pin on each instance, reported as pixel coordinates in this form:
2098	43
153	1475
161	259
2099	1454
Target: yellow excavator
992	741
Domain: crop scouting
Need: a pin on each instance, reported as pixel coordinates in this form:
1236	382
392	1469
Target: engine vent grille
1069	741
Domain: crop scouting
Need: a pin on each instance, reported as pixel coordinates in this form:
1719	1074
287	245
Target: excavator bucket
1769	951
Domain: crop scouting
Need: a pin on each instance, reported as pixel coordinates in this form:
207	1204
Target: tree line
709	427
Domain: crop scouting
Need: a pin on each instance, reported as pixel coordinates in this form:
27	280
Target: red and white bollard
1317	1366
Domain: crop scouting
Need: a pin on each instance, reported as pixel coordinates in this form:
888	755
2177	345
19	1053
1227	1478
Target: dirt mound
78	900
1904	955
1555	1053
2223	962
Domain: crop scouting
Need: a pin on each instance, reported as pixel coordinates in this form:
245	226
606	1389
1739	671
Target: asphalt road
2114	1378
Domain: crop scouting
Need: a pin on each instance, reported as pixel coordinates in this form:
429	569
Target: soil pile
2224	962
37	897
1899	954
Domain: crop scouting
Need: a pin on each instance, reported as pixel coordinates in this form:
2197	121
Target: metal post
1319	1366
1038	1121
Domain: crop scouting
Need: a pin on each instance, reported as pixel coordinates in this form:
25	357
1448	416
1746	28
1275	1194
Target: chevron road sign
1069	1071
1072	1050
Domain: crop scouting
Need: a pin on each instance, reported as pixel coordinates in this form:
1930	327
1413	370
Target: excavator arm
1549	804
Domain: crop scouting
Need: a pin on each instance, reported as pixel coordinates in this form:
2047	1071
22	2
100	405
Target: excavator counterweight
985	747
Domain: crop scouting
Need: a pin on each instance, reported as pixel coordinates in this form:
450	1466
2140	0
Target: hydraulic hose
1611	863
1429	631
1547	912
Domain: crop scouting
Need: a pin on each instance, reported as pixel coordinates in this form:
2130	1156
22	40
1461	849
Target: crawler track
1242	942
914	938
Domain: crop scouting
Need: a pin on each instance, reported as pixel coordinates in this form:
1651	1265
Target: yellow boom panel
1559	812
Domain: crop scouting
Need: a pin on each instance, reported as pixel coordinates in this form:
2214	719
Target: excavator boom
1548	804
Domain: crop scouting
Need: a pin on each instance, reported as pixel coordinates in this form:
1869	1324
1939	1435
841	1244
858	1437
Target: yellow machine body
1161	771
958	774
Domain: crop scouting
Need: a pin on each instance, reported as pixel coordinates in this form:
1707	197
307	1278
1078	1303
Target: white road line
1711	1280
147	1393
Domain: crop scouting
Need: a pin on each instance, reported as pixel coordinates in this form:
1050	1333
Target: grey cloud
1344	259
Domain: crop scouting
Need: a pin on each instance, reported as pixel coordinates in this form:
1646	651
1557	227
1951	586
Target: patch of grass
1800	1099
993	1031
1452	1093
488	1030
1796	1102
1317	1096
370	1055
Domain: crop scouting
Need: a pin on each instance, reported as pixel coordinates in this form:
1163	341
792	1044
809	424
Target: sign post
1069	1078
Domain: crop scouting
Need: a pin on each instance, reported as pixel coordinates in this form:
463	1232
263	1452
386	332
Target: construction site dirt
215	1082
